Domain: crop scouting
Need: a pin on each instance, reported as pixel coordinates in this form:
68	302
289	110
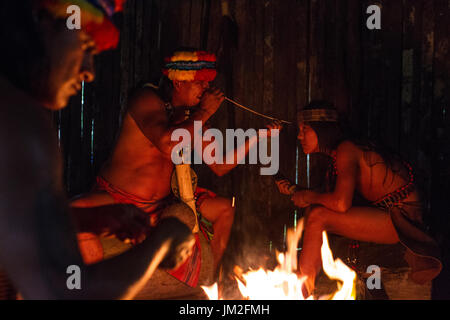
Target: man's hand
211	100
130	224
299	199
285	187
126	222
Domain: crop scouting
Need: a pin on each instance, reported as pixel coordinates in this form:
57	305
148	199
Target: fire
284	284
338	270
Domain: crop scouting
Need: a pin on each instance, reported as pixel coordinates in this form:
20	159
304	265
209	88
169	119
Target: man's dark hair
165	89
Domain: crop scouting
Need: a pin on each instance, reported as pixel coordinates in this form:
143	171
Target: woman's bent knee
315	216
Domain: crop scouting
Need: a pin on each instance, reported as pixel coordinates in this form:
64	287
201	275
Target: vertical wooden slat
354	62
205	24
425	162
268	101
321	17
284	107
390	125
330	71
440	186
316	49
183	11
440	115
302	78
249	217
139	43
125	52
409	95
372	90
74	143
196	23
341	35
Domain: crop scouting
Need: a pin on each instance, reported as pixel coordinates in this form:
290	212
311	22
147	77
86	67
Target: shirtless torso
362	171
395	214
392	214
374	178
137	165
141	163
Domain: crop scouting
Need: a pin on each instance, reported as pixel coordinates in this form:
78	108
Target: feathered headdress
95	18
191	66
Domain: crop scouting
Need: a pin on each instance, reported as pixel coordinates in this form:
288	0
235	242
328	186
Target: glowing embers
283	283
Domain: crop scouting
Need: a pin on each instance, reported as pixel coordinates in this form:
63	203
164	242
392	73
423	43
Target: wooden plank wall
392	84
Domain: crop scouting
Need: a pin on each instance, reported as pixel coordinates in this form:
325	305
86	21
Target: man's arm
124	276
124	221
237	154
148	110
37	238
340	199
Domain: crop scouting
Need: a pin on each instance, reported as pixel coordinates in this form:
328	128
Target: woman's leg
358	223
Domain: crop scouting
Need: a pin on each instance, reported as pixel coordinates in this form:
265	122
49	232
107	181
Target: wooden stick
253	111
236	104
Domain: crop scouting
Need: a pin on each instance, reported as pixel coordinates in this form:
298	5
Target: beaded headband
318	115
190	66
95	18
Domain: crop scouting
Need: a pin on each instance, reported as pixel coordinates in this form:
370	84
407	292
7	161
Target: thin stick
253	111
236	104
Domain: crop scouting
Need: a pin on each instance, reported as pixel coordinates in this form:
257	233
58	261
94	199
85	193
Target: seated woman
383	179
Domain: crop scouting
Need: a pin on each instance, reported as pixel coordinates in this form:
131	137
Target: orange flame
284	284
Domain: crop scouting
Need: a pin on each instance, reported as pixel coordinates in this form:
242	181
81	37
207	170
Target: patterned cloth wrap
190	66
95	18
189	271
422	252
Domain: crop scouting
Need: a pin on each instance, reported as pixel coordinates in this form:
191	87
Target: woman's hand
299	199
274	125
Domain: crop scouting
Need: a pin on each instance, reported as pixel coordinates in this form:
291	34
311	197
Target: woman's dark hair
331	134
389	156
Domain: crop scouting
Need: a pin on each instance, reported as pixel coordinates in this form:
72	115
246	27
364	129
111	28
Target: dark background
275	56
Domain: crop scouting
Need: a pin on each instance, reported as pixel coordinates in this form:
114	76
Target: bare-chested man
385	181
140	168
41	66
